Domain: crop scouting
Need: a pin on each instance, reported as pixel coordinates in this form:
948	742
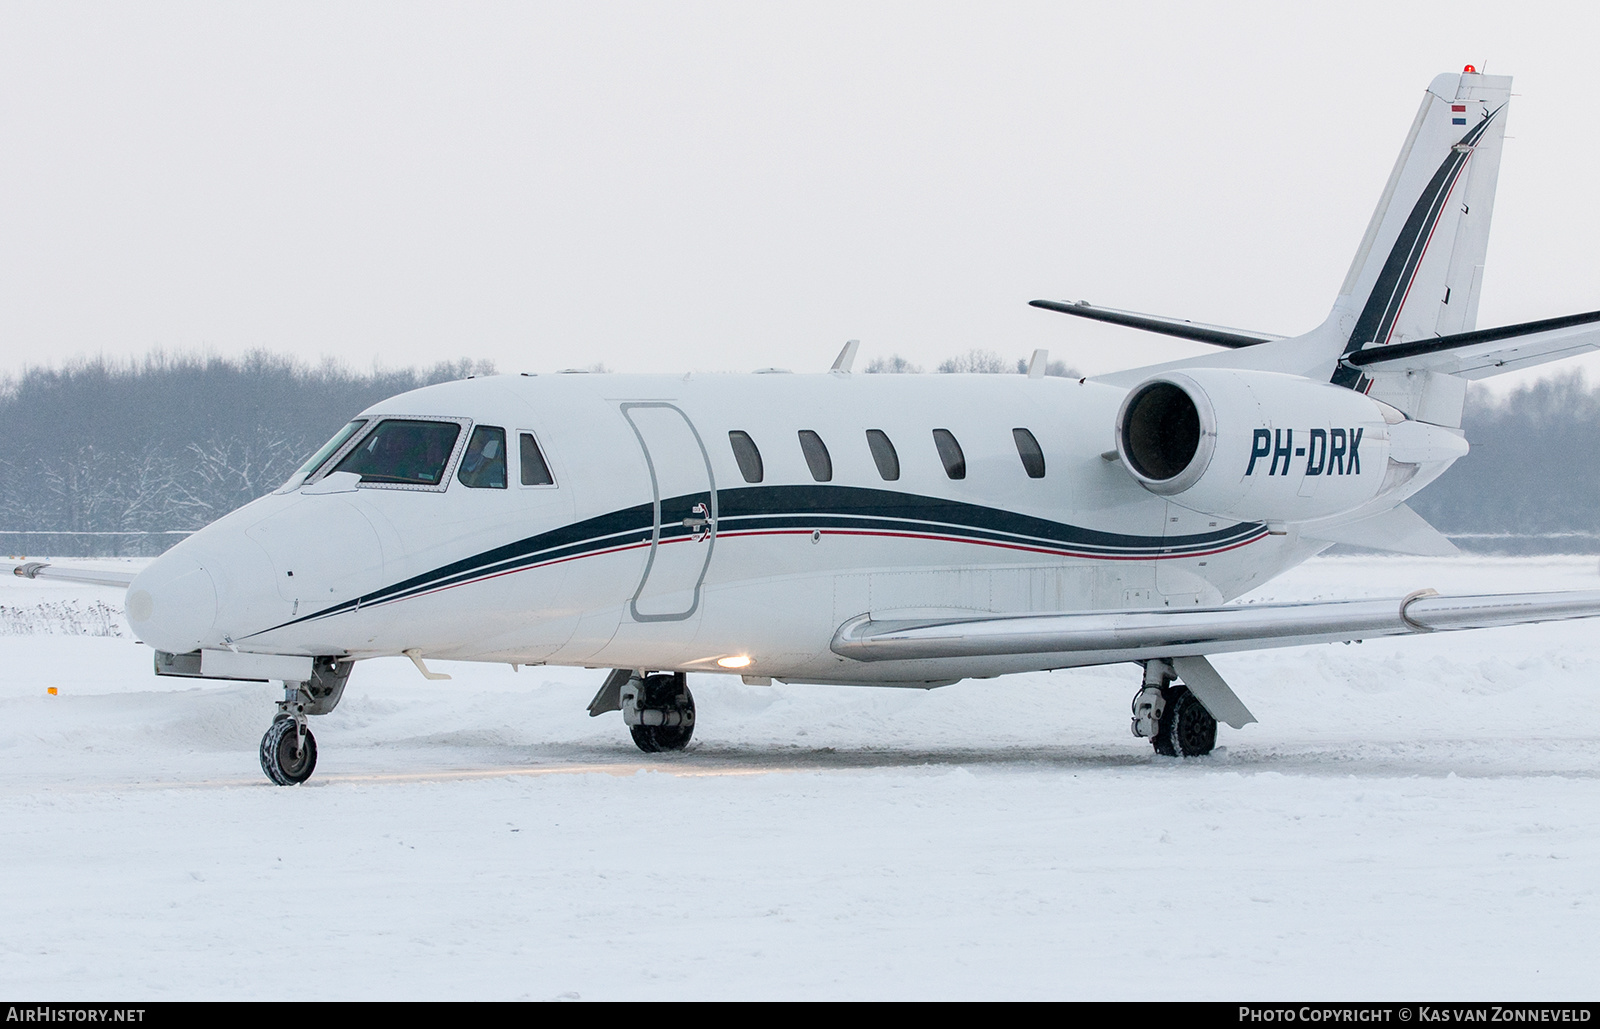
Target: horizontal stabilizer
88	576
1399	531
1486	352
1104	637
1200	332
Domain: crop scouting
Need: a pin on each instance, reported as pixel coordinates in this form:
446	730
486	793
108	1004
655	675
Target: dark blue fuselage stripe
752	509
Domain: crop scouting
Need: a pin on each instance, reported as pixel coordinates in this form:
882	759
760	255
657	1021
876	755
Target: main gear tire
1187	728
285	761
653	739
669	695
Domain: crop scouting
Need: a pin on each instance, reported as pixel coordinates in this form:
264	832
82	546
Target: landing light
739	661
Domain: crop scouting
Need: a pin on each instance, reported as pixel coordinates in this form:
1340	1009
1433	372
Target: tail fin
1420	266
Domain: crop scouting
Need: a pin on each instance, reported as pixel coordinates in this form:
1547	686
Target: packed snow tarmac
1415	818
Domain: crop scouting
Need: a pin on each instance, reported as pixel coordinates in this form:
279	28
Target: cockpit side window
483	466
340	439
402	452
535	471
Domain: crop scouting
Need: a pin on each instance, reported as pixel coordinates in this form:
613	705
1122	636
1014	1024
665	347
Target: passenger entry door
685	512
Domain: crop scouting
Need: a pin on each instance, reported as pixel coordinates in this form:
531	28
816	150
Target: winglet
847	357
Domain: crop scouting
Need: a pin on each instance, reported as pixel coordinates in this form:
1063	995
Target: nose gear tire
279	758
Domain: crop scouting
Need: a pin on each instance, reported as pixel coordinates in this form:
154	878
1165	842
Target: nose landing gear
288	750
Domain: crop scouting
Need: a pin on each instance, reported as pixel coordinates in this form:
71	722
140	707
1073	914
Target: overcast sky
726	186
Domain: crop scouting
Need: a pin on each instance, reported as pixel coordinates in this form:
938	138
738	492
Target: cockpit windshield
339	440
403	453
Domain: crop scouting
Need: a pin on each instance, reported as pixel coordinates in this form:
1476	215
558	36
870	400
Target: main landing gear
288	750
659	711
1171	717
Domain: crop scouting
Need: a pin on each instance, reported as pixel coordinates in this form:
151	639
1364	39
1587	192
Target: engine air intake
1160	431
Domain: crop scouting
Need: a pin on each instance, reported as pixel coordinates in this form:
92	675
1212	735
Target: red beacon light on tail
1469	70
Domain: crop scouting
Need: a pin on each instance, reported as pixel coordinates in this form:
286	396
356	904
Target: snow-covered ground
1412	818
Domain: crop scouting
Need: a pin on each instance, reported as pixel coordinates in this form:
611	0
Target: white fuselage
651	550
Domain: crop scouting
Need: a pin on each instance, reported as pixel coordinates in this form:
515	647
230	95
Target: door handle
703	526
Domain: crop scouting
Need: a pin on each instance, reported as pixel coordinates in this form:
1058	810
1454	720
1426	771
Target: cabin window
340	439
535	472
817	458
955	462
883	454
404	453
1028	450
745	452
483	466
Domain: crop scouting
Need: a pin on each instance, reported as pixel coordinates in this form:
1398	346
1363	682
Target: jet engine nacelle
1267	447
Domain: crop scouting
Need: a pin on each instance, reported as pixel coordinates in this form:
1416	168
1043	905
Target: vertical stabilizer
1420	266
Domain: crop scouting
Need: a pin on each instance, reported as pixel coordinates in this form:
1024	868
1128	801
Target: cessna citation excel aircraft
888	530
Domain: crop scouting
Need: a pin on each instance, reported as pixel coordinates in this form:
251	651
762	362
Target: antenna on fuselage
847	357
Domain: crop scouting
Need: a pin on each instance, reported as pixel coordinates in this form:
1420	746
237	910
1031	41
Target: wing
89	576
1106	637
1485	352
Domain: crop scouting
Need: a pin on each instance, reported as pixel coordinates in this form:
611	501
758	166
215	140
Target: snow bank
1414	817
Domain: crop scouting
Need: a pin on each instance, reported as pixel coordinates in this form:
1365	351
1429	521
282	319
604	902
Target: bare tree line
977	360
1534	471
170	443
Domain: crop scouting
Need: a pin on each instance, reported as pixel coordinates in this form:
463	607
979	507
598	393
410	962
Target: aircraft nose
172	605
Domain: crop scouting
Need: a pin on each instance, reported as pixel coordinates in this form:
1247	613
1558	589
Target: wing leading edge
87	576
1106	637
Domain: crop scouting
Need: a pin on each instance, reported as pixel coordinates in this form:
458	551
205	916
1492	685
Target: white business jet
888	530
